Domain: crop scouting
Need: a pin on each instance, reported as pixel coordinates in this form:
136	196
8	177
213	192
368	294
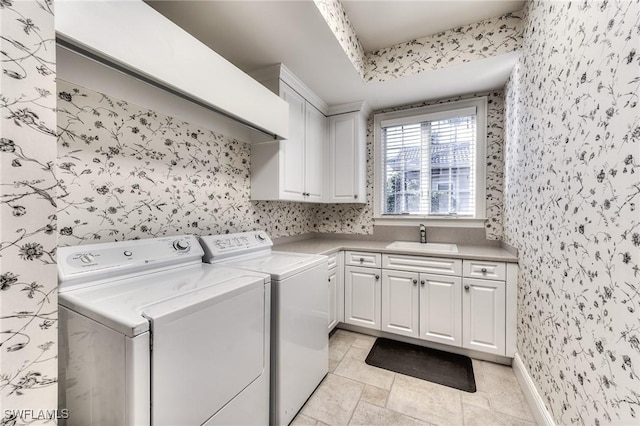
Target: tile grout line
361	392
357	404
462	405
395	375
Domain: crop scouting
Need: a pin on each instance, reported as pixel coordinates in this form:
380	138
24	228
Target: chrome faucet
423	234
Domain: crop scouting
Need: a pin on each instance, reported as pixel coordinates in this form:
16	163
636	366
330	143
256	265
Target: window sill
445	222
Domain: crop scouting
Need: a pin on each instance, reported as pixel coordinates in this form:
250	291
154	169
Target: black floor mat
444	368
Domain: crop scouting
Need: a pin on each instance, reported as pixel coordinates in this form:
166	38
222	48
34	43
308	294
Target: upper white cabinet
291	165
292	169
324	159
315	126
140	40
345	180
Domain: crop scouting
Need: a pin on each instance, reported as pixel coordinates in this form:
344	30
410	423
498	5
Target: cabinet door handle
355	195
377	277
422	282
329	280
483	270
466	287
415	282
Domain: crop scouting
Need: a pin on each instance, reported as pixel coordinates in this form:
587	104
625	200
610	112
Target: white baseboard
535	401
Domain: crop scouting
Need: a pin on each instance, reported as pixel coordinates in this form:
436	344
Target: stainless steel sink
423	247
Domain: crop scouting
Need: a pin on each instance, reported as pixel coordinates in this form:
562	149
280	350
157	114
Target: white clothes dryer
151	335
299	314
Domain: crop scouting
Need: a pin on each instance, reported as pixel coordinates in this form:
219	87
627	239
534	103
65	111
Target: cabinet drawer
431	265
359	258
485	269
333	260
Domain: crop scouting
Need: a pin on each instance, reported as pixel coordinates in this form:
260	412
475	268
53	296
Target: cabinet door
315	126
484	315
344	160
333	298
400	302
362	296
340	285
441	309
292	149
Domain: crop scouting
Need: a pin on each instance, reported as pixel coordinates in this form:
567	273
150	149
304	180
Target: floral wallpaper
334	14
28	283
127	172
472	42
358	218
572	189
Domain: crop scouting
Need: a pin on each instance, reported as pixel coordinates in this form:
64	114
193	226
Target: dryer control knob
260	237
180	245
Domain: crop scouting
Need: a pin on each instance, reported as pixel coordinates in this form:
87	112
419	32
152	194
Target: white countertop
329	245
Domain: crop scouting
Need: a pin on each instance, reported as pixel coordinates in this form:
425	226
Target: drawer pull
361	259
483	270
415	282
466	287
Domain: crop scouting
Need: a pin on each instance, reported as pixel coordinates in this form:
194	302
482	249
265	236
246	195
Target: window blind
429	164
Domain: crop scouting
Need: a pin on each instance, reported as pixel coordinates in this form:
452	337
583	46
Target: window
430	163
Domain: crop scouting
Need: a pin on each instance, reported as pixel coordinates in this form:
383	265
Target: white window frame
413	115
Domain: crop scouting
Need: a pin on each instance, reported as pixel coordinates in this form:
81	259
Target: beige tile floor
354	393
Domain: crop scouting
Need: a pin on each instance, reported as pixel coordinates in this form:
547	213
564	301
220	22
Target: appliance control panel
218	247
120	258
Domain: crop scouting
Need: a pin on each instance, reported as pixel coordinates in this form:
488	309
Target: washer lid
120	305
280	265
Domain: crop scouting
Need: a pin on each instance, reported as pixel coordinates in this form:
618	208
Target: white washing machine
299	314
151	335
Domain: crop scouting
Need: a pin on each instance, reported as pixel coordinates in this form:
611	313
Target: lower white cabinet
333	298
336	289
362	291
400	302
441	309
456	307
422	305
484	314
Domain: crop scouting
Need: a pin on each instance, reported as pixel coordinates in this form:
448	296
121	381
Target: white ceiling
386	23
259	33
